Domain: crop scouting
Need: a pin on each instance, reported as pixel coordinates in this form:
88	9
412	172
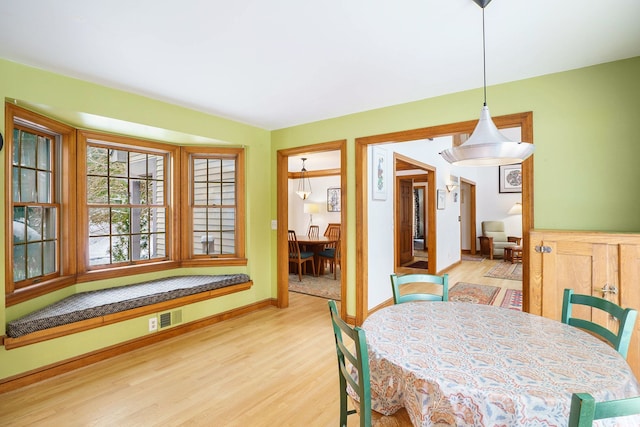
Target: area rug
506	270
512	300
471	292
478	258
419	264
323	286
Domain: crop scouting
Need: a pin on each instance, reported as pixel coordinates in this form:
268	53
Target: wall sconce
516	209
451	187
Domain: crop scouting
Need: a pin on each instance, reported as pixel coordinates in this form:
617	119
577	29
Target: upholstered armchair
494	239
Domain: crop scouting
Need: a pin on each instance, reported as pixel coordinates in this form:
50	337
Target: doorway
414	212
283	215
522	120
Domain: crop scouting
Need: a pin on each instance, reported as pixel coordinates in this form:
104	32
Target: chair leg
299	271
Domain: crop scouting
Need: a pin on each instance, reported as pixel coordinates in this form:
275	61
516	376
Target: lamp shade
487	146
311	208
516	209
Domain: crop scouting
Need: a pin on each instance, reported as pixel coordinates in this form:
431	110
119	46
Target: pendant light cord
484	61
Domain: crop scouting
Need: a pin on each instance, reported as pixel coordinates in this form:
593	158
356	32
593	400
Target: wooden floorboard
274	367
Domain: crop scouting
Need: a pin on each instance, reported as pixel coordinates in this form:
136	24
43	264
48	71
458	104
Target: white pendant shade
487	146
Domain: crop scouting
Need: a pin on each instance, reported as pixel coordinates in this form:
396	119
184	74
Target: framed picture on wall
333	199
510	178
379	174
441	199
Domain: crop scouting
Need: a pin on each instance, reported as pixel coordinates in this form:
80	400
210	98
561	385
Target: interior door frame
430	218
282	198
523	120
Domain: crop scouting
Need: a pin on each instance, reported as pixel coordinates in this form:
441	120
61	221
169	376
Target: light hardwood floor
268	368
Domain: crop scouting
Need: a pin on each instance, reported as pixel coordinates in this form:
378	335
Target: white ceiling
280	63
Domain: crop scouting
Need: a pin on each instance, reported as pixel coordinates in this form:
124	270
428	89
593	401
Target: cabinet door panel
586	262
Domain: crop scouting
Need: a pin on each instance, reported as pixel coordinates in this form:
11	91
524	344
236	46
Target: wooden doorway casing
282	198
407	163
522	120
470	224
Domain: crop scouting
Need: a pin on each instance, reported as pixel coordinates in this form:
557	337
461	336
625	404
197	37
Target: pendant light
487	146
304	185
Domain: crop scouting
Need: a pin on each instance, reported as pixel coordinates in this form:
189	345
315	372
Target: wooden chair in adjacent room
314	231
353	371
300	258
331	251
331	226
585	410
626	319
435	283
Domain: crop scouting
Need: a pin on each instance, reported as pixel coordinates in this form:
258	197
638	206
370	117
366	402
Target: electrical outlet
153	324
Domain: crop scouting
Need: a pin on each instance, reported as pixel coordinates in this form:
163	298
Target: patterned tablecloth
461	364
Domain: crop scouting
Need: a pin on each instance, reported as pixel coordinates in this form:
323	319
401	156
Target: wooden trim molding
58	368
96	322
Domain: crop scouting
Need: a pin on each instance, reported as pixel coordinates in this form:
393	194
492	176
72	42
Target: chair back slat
626	318
585	410
314	231
398	281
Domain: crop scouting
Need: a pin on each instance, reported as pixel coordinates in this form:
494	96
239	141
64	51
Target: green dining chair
626	319
353	371
585	410
398	281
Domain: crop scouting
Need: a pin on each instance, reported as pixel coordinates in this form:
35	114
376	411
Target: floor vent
170	318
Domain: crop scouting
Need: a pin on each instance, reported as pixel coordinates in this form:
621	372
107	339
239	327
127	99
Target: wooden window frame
86	272
73	218
64	189
189	259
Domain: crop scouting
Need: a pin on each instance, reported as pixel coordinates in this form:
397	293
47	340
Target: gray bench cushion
87	305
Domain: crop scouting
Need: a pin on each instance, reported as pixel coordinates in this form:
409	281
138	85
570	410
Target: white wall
298	220
491	205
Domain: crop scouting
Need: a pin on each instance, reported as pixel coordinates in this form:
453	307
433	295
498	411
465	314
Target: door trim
523	120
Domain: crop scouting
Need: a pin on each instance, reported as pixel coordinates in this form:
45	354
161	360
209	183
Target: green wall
585	131
585	165
87	105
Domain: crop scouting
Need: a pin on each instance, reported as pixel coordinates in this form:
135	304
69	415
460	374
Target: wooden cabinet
587	262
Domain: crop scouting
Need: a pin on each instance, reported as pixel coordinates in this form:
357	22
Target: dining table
465	364
315	244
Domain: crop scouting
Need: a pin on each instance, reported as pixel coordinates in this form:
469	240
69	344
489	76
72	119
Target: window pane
15	176
118	163
28	149
200	241
16	147
44	187
99	222
97	189
34	260
158	220
139	246
228	170
99	250
199	219
159	245
19	225
49	225
44	153
121	221
120	249
49	260
118	191
27	185
19	263
97	161
228	194
199	193
228	243
34	224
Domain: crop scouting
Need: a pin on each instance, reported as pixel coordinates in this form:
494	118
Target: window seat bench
87	310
